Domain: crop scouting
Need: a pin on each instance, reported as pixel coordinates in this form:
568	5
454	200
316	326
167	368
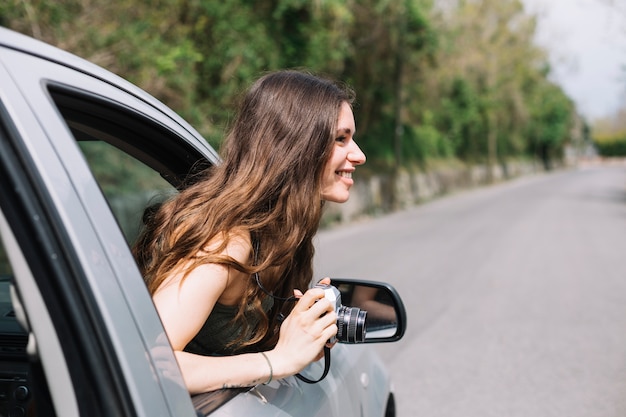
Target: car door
96	345
92	327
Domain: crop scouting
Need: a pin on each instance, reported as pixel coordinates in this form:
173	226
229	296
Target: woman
225	259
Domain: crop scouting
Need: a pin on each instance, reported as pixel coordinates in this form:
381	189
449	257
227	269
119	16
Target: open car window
136	161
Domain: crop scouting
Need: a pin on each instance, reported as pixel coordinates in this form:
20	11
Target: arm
302	337
184	307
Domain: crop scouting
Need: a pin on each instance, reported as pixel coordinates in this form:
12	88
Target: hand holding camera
350	320
304	332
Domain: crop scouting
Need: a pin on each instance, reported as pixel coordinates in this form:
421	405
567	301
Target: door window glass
136	160
128	185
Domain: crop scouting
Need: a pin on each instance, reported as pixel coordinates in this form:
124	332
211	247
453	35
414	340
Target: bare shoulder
238	244
208	280
185	300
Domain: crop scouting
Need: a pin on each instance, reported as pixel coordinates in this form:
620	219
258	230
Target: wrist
270	367
280	369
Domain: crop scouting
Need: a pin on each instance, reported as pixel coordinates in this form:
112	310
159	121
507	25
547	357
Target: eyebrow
345	130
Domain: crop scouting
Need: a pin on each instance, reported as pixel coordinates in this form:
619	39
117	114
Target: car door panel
96	208
352	388
318	393
71	199
137	339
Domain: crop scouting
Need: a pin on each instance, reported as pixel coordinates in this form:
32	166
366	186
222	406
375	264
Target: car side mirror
386	317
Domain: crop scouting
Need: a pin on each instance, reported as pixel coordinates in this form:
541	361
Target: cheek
329	169
336	159
333	163
328	178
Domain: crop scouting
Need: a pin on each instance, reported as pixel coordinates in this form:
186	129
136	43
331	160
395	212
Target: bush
613	145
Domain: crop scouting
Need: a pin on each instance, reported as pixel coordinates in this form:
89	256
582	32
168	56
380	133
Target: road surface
515	295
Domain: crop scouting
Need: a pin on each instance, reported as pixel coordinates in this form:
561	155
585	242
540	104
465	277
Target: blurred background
450	93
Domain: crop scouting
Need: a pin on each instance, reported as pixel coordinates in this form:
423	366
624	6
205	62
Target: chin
337	198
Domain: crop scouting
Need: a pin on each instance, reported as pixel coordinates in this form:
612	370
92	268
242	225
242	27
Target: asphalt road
515	294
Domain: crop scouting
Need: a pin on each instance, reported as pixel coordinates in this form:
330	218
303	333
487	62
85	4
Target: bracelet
271	369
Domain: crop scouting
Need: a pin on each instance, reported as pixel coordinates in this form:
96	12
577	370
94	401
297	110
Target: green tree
392	45
550	124
460	119
143	42
455	79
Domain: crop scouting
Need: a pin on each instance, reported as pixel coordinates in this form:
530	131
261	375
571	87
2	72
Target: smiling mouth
344	174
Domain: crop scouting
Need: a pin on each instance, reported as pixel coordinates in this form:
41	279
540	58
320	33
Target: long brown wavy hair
268	185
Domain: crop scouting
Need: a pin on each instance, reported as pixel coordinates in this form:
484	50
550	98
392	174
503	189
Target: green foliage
464	81
550	123
461	121
378	140
425	142
611	145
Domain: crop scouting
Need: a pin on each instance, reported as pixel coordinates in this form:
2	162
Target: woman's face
346	155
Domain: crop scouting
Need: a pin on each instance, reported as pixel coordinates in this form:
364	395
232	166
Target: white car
82	154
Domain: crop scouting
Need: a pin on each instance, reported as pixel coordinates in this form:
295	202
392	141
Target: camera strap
326	368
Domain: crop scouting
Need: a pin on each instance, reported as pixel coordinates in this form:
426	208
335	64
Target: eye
341	139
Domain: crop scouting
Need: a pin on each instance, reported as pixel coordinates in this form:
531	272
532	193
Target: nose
356	155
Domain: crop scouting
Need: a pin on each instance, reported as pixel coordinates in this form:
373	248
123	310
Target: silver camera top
332	294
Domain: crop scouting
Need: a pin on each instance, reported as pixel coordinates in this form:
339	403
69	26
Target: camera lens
351	325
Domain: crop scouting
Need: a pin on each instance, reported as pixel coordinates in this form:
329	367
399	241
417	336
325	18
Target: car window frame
36	115
36	252
67	99
189	167
148	133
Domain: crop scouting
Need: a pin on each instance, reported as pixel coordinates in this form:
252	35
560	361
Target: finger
309	298
324	281
330	331
297	293
321	307
320	322
328	319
